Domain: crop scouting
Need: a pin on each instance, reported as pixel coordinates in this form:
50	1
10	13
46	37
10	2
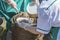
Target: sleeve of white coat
43	21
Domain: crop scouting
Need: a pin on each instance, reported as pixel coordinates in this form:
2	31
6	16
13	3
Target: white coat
48	15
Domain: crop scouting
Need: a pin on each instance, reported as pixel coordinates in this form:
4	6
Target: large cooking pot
19	33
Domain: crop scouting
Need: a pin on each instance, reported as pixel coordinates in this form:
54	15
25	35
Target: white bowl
32	8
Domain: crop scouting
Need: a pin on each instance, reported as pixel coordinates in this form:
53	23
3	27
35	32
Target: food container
19	33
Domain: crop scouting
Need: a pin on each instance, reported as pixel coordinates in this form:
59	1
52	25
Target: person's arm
28	27
33	30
